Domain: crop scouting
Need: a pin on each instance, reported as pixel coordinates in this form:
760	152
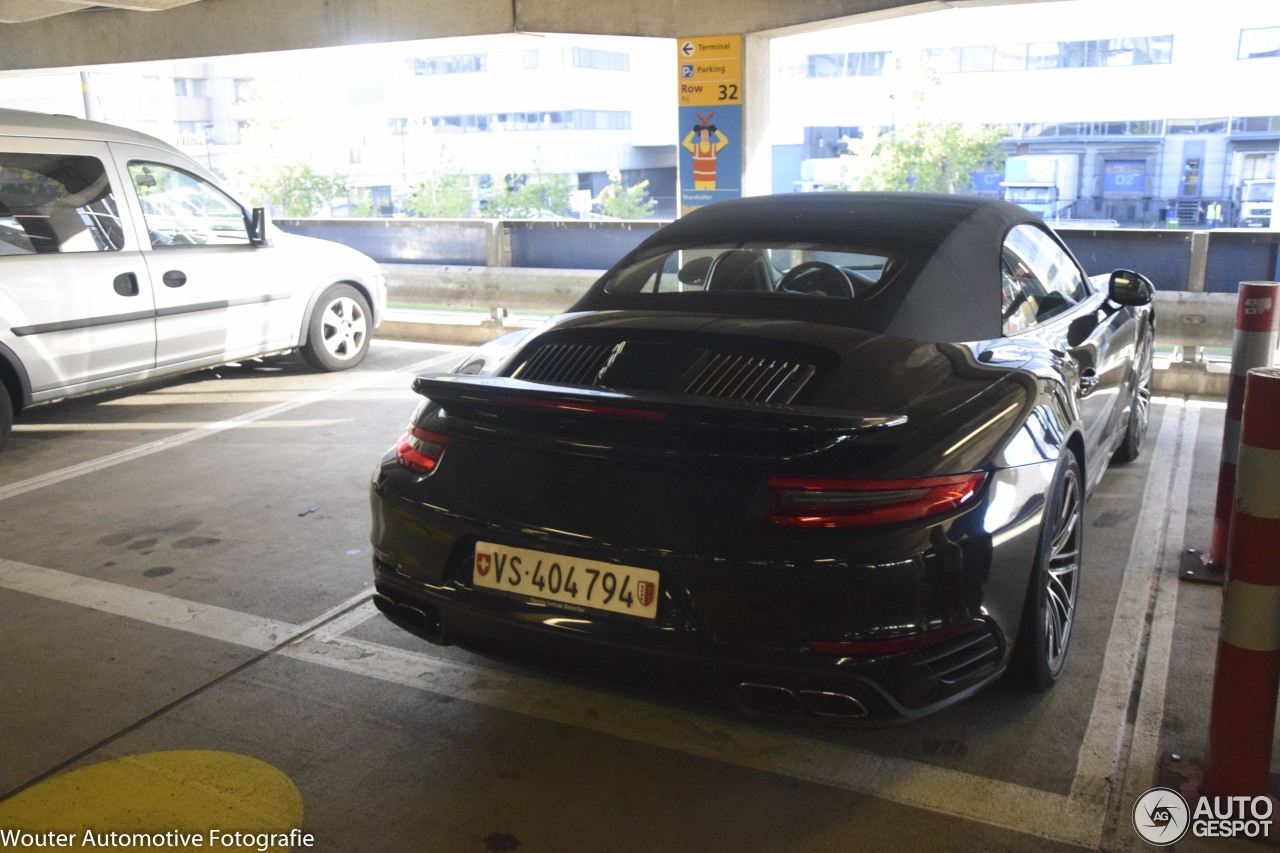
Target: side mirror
1130	288
258	228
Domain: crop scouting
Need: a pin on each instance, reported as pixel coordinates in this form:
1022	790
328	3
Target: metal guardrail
470	305
467	281
1210	261
1185	319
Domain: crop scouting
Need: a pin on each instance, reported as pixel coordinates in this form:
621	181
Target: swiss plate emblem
644	593
483	564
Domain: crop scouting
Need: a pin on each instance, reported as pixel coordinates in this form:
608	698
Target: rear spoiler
468	395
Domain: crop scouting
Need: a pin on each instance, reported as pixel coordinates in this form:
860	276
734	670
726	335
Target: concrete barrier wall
489	289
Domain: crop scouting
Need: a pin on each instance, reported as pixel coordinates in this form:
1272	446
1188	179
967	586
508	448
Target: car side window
51	203
181	209
1040	279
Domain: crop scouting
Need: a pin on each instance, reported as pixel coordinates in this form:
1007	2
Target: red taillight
893	645
419	449
825	502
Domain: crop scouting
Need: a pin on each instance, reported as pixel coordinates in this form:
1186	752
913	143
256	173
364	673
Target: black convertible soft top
945	286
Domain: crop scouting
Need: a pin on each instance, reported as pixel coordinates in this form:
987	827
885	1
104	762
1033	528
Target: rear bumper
742	610
798	684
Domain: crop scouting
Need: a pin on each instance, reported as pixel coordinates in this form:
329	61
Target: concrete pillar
757	150
1196	276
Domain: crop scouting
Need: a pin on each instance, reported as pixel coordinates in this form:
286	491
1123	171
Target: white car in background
122	259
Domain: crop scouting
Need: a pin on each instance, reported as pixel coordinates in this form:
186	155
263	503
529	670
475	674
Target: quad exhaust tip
424	621
776	699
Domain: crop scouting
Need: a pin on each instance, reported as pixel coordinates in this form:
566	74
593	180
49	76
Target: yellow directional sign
710	70
710	105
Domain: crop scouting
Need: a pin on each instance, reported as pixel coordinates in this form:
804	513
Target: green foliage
923	157
621	202
360	203
529	195
295	189
440	196
918	154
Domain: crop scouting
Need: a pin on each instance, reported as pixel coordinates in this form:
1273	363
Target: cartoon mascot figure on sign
704	149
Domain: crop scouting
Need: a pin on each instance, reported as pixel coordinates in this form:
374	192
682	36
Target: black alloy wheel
1140	407
1054	593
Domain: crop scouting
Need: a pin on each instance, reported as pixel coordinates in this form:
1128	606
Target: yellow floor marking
193	799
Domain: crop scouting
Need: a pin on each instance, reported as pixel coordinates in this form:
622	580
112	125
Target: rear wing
478	397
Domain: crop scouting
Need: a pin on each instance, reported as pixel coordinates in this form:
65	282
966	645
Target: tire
1135	433
339	330
1054	591
6	415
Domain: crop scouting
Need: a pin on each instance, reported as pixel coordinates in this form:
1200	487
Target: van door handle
126	284
174	278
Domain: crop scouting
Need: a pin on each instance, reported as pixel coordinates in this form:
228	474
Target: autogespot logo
1161	817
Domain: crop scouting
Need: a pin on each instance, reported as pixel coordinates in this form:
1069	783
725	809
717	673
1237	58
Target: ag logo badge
1161	817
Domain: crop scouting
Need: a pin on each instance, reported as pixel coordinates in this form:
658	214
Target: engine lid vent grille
740	377
565	364
679	368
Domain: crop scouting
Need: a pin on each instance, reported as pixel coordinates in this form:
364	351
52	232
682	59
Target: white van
122	259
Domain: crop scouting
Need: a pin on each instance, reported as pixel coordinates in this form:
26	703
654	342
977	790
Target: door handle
1088	381
174	278
126	284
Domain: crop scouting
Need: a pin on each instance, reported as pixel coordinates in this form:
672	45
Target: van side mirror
1130	288
258	227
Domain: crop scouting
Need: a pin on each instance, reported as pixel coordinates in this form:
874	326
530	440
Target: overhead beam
231	27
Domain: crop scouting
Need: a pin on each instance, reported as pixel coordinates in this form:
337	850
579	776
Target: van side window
53	203
183	210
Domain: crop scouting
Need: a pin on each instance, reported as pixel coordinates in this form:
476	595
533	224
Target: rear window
54	203
788	271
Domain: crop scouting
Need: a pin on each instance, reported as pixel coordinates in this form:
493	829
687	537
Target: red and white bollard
1254	345
1246	681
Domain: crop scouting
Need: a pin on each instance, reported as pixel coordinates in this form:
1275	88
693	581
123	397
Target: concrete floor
188	646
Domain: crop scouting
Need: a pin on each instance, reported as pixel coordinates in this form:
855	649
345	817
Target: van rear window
51	203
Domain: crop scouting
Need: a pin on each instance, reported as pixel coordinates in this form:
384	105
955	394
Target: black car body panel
691	442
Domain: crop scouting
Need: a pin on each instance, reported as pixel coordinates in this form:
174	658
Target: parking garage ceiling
44	34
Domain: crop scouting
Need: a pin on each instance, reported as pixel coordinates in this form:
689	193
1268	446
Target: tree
923	157
621	202
528	195
440	196
919	154
296	189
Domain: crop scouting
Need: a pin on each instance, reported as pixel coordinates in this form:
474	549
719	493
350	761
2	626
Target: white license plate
536	574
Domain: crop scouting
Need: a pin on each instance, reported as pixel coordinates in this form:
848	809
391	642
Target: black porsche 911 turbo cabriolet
821	454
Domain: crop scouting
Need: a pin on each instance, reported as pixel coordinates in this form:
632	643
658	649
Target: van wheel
6	415
1050	615
339	330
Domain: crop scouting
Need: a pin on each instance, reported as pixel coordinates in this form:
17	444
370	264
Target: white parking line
1077	818
363	380
1106	740
1143	755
